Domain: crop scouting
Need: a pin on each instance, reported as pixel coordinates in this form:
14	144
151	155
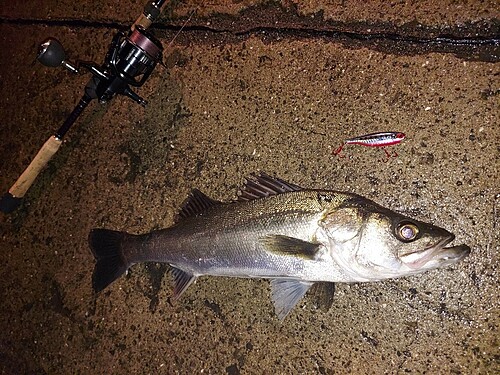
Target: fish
277	230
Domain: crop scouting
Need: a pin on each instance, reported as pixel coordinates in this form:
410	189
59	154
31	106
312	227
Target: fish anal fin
182	280
321	295
262	185
286	293
285	245
196	203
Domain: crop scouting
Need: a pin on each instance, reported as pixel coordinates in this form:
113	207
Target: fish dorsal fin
262	186
196	202
285	245
285	293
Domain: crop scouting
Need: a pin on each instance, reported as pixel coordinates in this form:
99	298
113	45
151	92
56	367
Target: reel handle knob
51	53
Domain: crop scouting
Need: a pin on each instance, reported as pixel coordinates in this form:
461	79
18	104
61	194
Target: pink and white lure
381	139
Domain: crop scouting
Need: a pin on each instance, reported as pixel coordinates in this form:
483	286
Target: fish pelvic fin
106	246
286	293
285	245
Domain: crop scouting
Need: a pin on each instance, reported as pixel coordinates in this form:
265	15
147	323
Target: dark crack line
335	34
72	23
384	36
291	32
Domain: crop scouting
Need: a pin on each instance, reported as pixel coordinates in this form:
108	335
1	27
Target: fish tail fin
106	246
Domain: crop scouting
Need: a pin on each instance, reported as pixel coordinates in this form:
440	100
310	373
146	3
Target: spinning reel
129	62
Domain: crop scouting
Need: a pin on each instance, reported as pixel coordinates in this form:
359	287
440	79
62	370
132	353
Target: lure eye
407	232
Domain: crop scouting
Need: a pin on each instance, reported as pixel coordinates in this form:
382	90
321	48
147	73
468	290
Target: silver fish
277	230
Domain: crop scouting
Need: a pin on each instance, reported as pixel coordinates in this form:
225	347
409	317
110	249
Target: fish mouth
437	255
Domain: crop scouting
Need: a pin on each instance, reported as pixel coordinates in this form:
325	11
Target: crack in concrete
288	31
481	48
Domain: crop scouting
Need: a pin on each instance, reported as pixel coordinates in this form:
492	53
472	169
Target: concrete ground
248	86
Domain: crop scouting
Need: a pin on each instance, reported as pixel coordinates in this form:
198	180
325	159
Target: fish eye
407	232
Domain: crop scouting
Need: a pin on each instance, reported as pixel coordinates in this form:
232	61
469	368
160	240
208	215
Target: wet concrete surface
232	101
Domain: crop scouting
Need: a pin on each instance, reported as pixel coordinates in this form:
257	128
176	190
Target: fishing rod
130	60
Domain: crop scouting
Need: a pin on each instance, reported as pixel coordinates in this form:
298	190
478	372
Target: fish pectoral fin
284	245
182	280
285	293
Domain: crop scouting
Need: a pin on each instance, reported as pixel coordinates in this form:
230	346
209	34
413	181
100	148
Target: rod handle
11	200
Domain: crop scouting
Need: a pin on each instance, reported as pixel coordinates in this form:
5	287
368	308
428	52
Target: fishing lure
381	139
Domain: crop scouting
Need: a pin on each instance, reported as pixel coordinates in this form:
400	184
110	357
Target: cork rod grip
29	175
